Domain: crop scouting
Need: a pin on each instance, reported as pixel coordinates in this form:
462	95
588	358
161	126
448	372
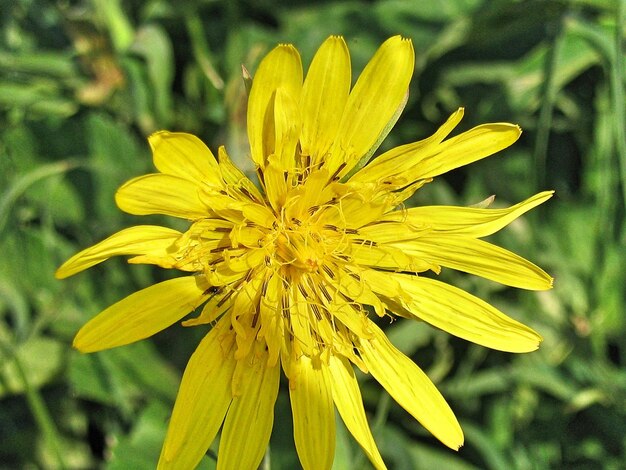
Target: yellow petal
470	221
324	97
355	289
161	194
463	315
287	124
233	176
347	398
272	323
313	414
253	412
475	144
395	161
222	275
383	284
223	206
431	157
275	186
345	312
311	193
282	67
249	236
388	231
411	388
203	399
139	240
185	156
480	258
388	257
258	214
300	327
213	309
353	212
378	93
249	259
141	314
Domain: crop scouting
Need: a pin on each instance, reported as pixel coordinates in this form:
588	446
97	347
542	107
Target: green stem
8	198
380	418
40	412
200	48
547	107
382	411
617	88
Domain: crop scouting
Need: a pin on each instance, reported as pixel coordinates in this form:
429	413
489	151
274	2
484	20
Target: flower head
291	274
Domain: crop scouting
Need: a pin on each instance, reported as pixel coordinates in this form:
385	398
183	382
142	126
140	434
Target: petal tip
287	47
156	138
79	346
61	273
456	442
336	37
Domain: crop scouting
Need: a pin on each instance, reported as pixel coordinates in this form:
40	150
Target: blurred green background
82	83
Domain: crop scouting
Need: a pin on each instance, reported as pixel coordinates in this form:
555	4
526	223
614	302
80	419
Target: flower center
300	245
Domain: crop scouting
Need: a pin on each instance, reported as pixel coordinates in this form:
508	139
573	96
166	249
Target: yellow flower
291	274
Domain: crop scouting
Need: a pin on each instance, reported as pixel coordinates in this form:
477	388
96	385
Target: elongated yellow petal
253	412
141	314
203	399
282	67
431	157
353	287
389	231
313	192
258	214
383	284
184	155
138	240
411	388
466	316
396	161
469	221
388	257
324	95
161	194
480	258
271	319
378	93
354	212
344	311
235	177
475	144
287	124
310	390
373	102
213	309
275	186
347	398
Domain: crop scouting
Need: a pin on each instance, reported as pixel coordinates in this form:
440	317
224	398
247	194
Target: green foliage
82	83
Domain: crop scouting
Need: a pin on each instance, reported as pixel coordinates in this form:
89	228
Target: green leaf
428	457
141	447
120	376
39	98
344	457
154	46
41	359
116	157
58	64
